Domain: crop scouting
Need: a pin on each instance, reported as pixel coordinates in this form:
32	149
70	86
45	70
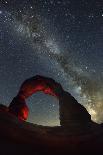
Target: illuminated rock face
71	112
40	83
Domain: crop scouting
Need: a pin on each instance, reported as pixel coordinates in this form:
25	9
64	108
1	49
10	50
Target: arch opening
43	109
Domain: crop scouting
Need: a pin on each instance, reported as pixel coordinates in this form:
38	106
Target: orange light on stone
23	114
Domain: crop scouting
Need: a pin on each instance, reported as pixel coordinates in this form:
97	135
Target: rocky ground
20	137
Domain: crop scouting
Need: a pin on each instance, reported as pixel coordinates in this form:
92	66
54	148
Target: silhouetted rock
71	112
20	137
3	108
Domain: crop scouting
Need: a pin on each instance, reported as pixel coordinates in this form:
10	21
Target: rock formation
71	112
19	108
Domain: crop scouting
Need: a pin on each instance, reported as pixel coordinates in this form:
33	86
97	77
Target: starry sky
61	39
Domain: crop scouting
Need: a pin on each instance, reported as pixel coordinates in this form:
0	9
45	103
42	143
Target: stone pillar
71	112
19	108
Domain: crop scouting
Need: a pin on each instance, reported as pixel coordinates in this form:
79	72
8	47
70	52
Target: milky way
37	39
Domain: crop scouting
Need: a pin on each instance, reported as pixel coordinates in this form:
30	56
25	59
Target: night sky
61	39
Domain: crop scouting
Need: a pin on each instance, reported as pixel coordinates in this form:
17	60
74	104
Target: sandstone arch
69	109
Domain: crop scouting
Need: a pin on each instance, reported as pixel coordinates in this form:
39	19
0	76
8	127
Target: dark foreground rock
20	137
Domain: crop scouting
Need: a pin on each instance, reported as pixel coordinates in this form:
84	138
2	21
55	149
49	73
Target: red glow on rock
37	83
40	83
23	114
49	91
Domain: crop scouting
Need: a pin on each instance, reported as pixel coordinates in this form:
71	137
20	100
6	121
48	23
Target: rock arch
69	109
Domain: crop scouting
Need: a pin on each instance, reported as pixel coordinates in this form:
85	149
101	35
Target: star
0	12
31	7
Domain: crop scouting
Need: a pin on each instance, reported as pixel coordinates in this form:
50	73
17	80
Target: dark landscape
18	137
78	134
